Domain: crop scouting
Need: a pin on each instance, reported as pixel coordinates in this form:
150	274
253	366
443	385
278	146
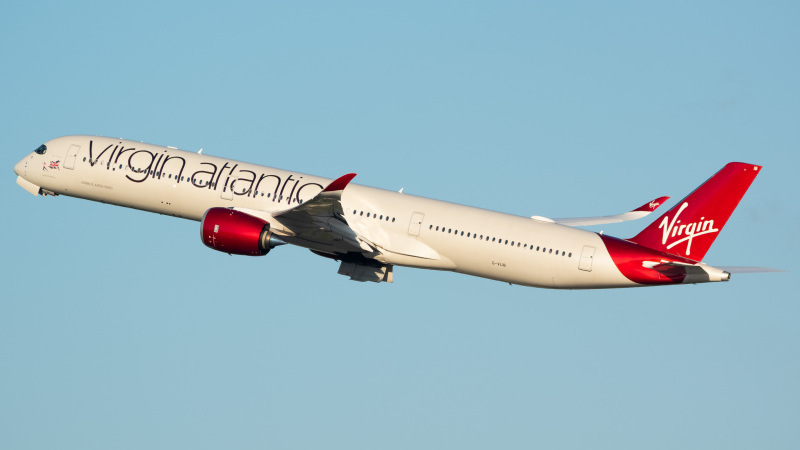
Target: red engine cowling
235	232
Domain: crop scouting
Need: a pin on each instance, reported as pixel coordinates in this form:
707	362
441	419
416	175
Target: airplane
249	209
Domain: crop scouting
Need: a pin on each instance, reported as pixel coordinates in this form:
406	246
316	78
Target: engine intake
230	231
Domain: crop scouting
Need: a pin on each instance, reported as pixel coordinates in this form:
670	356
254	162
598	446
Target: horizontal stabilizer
688	273
637	213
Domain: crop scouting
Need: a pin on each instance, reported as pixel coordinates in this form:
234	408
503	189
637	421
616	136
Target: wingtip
653	204
340	183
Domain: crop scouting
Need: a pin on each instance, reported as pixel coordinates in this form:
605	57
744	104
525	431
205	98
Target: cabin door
72	153
415	224
587	256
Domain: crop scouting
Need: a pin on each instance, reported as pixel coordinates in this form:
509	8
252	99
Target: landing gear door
72	153
587	256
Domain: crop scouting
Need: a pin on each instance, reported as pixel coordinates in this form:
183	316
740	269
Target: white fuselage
410	230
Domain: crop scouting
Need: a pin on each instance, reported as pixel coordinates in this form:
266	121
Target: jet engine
230	231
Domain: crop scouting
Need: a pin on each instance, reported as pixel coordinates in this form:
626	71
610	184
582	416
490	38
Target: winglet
653	205
340	183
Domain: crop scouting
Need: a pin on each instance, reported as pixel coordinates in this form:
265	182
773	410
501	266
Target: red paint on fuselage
629	258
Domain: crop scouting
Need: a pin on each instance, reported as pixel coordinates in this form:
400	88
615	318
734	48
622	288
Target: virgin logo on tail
684	232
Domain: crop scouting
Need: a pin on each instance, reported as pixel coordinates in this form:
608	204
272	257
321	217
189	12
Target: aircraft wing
637	213
321	220
325	204
321	223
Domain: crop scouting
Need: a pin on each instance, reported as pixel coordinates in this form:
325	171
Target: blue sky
119	329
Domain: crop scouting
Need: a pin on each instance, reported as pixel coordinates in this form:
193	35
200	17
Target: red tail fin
690	227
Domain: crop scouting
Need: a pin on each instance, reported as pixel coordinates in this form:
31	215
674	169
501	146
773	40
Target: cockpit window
41	150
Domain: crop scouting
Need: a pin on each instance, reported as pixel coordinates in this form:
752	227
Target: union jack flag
54	164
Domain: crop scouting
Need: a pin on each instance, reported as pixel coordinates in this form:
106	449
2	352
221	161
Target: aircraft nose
18	168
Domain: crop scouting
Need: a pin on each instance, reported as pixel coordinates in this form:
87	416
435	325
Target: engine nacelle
230	231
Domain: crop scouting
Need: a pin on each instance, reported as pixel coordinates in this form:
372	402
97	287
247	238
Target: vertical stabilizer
690	227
